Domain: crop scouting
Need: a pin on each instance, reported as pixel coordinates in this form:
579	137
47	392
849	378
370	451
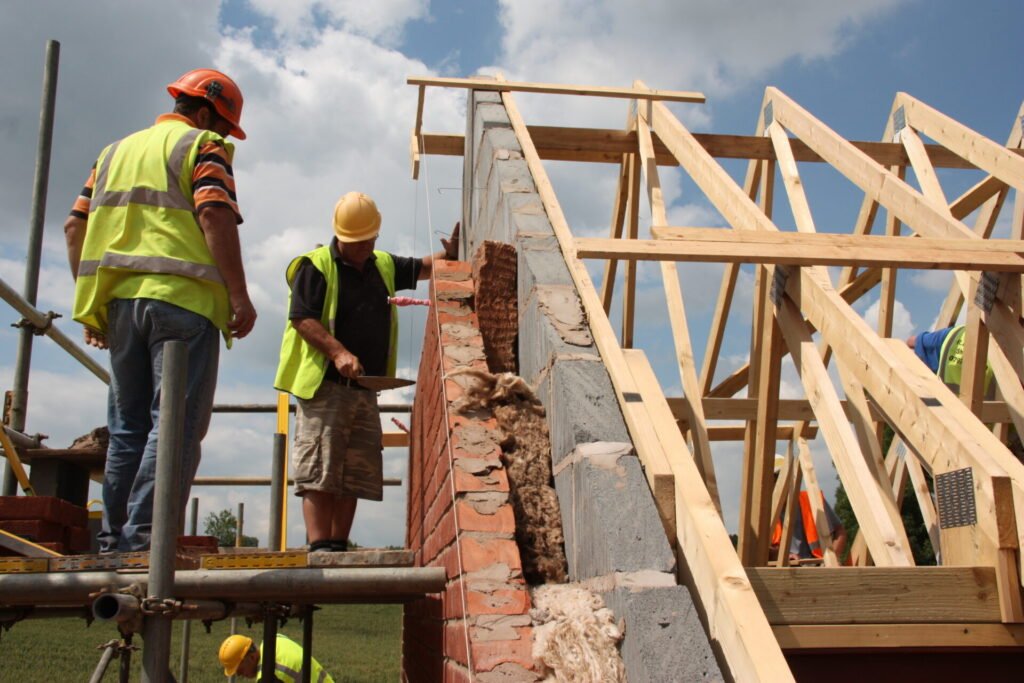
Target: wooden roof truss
881	382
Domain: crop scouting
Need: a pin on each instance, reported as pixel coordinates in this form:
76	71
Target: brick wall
459	512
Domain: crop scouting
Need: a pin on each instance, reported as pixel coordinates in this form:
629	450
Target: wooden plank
801	252
871	595
504	86
607	145
685	362
633	231
899	636
24	547
899	245
735	620
417	129
735	432
615	232
800	409
816	503
657	469
978	149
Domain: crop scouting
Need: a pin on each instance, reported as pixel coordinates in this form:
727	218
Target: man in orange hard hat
153	245
342	323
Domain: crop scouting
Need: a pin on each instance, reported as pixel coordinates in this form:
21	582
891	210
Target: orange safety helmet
220	90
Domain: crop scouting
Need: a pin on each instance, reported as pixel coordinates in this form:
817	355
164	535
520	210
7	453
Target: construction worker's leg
318	514
363	473
344	513
318	455
128	418
159	322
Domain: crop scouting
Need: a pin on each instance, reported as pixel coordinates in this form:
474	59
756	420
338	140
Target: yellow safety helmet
232	652
356	218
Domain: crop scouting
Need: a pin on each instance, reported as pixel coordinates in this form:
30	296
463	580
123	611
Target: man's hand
347	364
451	245
94	338
243	316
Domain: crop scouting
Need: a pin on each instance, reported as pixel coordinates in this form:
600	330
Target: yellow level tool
16	466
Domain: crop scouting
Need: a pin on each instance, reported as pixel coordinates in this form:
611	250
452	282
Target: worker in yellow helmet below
343	324
240	657
153	245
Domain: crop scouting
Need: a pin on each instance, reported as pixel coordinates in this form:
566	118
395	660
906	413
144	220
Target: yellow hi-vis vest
301	367
143	241
951	362
288	663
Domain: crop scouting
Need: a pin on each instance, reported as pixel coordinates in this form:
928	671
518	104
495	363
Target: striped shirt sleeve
80	209
213	179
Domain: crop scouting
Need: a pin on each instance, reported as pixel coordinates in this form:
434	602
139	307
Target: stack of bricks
460	516
47	521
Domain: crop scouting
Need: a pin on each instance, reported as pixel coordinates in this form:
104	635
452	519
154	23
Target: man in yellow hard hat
240	657
342	323
153	246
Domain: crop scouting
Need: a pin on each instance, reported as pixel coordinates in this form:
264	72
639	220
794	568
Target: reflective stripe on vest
171	198
288	662
810	530
142	238
301	367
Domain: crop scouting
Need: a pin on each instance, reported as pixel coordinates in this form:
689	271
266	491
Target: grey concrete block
617	528
581	406
540	341
565	489
540	263
664	639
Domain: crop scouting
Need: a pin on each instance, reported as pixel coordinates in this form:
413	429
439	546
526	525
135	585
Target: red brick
77	539
489	654
465	482
455	641
501	522
46	508
454	673
480	554
452	289
504	601
444	269
35	530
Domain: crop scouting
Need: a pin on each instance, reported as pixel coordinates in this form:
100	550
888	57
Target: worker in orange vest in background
806	544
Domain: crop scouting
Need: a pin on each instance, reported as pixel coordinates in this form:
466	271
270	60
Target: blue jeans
137	330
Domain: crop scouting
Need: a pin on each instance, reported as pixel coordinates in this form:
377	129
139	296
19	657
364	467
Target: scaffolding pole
156	627
23	362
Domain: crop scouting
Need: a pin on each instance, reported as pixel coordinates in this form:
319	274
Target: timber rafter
804	311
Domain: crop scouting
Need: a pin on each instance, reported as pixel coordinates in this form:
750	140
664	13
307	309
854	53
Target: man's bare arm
319	337
74	237
221	232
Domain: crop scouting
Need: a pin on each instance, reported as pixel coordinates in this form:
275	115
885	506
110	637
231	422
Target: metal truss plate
291	558
22	565
954	495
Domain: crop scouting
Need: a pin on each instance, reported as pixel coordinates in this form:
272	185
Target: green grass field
355	643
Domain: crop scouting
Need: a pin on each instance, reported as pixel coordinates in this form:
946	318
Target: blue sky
327	110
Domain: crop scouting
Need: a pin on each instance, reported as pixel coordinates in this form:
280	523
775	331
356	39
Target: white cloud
302	20
902	325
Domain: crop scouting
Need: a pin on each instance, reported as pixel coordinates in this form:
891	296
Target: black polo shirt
362	322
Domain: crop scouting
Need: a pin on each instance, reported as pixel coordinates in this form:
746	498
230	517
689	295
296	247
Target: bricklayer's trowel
383	383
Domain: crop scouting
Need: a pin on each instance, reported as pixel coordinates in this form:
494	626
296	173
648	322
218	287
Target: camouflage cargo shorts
338	443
